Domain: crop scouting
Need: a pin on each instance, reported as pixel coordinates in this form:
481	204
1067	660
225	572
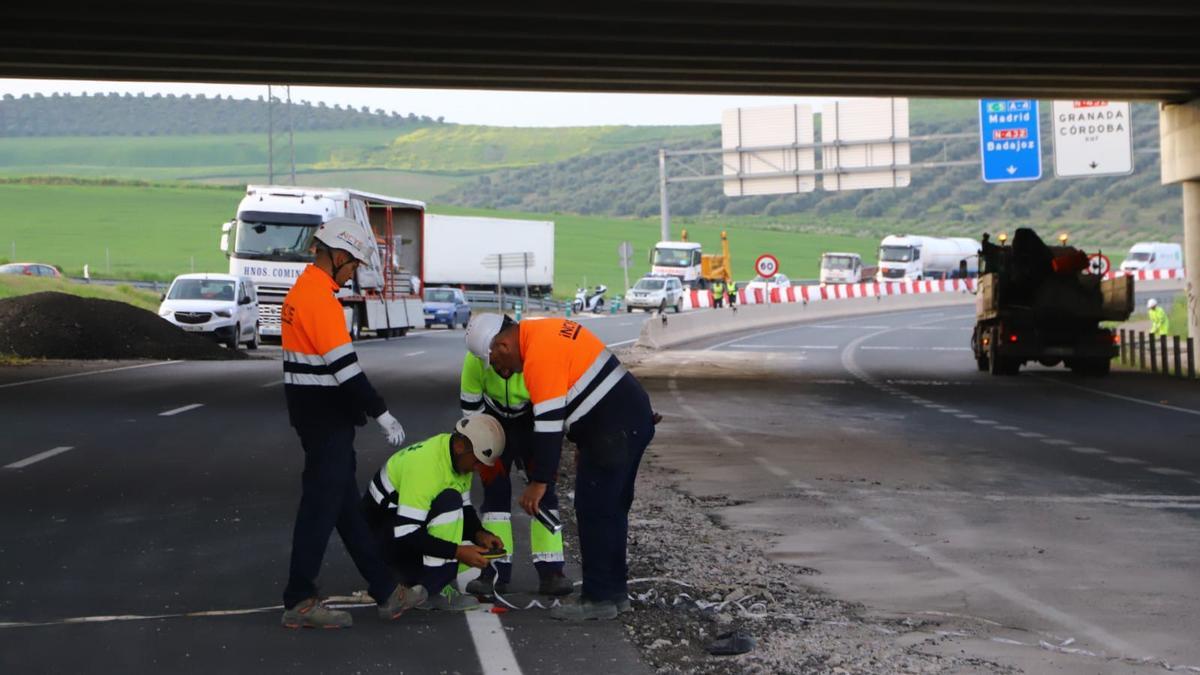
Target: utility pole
664	200
272	103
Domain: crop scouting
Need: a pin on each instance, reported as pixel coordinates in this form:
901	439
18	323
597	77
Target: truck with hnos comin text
1040	303
270	241
914	258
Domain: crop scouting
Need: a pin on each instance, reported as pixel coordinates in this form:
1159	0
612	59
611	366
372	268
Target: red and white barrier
806	294
697	299
1151	275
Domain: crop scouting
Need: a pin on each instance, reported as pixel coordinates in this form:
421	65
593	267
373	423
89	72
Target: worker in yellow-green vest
718	293
1159	323
507	400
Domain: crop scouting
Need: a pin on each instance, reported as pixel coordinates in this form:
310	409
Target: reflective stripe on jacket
407	485
481	385
322	379
568	370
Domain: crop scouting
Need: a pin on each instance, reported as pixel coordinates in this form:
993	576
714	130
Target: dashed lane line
491	643
1131	399
276	383
1055	441
1007	427
771	468
622	342
182	409
418	353
987	422
1030	434
1124	460
90	372
33	459
1085	450
1167	471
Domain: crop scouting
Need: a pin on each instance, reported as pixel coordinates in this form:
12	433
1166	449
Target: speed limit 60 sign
767	265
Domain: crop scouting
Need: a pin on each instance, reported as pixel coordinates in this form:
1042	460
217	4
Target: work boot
401	600
555	584
483	587
585	610
450	600
312	614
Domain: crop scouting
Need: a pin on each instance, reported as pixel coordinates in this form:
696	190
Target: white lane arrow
1011	169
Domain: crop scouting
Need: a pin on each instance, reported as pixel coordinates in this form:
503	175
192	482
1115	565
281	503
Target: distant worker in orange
327	396
578	388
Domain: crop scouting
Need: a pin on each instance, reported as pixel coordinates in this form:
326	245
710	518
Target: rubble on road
52	325
694	580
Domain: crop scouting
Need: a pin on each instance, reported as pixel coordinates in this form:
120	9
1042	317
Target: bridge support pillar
1179	131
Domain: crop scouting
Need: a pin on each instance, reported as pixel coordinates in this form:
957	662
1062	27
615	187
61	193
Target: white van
222	306
1153	255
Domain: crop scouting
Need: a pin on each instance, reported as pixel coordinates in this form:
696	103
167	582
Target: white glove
391	428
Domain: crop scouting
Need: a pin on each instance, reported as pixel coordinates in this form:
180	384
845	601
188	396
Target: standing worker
1159	323
507	400
579	388
732	290
419	509
718	293
327	396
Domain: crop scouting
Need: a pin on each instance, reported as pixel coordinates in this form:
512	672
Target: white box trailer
270	241
455	248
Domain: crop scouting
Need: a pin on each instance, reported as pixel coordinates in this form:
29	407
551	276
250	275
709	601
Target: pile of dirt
60	326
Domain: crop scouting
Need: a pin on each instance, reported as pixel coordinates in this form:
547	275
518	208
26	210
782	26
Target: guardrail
1163	351
489	299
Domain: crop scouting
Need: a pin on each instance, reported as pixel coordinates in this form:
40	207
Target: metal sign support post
664	200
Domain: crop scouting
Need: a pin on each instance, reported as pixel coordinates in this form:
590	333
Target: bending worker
327	396
507	400
579	388
1160	324
419	509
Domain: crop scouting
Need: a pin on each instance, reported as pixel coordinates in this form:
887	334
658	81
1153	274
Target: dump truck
1039	303
684	259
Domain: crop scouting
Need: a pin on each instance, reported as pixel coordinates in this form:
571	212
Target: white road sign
750	168
1092	138
863	120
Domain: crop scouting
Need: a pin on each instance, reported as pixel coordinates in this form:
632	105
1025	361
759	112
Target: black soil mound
60	326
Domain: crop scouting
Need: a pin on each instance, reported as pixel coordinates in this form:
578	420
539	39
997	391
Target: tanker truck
1041	303
913	258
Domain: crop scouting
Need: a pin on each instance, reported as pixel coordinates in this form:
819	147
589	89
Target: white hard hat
1151	303
486	436
480	331
347	235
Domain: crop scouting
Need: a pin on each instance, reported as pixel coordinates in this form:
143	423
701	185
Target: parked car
653	292
770	283
447	306
221	306
31	270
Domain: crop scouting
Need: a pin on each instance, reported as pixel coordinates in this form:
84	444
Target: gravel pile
732	585
60	326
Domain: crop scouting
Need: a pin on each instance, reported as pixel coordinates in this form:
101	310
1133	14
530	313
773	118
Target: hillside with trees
112	114
944	200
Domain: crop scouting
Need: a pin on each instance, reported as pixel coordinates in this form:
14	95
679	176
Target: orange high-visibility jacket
322	380
567	370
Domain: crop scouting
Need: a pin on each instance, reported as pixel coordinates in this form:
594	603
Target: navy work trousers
611	443
330	499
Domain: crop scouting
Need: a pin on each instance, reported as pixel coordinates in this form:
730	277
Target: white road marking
1124	460
276	383
778	471
415	353
1166	471
1030	434
1007	427
952	411
796	347
808	489
886	348
1084	450
1164	406
989	422
1055	441
491	643
622	342
183	409
33	459
950	349
965	416
90	372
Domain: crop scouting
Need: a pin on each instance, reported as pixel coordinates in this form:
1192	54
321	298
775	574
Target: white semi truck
477	253
909	257
270	241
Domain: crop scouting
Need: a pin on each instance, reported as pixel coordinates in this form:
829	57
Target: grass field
157	232
12	286
423	186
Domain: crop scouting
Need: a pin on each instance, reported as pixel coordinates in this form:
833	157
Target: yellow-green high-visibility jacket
482	386
1159	323
408	483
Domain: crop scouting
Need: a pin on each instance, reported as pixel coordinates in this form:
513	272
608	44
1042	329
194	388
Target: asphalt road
134	493
1044	521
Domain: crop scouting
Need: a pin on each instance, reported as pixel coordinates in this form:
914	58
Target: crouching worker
419	508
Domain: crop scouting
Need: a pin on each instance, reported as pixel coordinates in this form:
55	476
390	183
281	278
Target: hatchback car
447	306
221	306
31	270
653	292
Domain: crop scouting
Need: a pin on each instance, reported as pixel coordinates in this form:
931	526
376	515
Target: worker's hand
488	540
391	428
471	556
532	496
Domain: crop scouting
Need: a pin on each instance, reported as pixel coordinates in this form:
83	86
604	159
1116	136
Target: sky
500	108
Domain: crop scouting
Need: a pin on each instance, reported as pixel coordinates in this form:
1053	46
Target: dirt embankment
59	326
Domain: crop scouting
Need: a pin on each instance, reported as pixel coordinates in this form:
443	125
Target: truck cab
841	268
680	259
